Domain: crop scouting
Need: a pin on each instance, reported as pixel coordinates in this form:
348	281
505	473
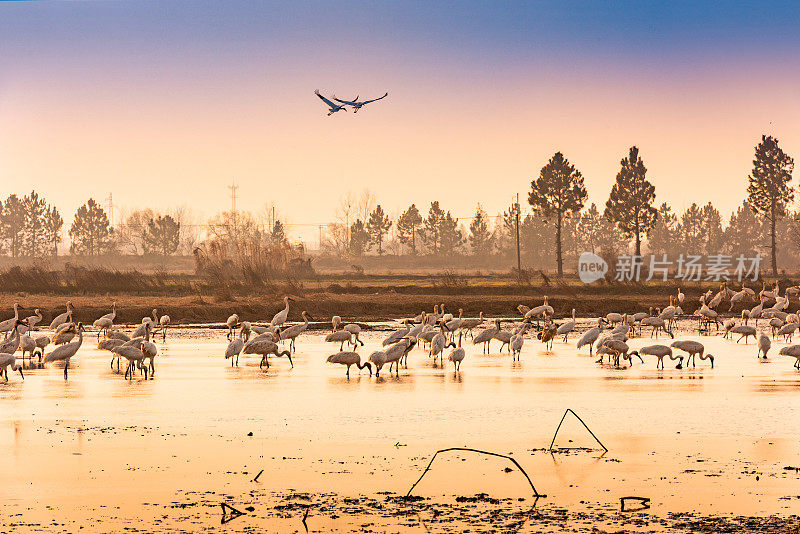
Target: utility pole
233	187
110	205
519	263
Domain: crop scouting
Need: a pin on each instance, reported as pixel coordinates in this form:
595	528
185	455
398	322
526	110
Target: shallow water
105	453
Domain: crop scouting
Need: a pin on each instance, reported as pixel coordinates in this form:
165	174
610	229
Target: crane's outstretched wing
374	99
331	104
348	102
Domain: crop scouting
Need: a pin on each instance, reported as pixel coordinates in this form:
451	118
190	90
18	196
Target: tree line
557	227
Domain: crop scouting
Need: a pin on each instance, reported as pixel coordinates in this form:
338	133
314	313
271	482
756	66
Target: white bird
660	352
67	351
397	351
349	359
65	333
681	298
135	357
62	318
745	331
106	321
590	336
355	330
567	327
693	348
32	320
265	347
438	344
234	348
163	322
150	351
457	356
763	345
340	336
378	359
754	313
468	324
293	331
788	330
9	324
486	335
27	344
355	104
279	318
517	340
397	335
657	323
333	106
613	318
539	311
793	351
8	360
10	345
232	322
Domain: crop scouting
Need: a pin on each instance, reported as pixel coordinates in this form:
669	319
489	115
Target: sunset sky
165	103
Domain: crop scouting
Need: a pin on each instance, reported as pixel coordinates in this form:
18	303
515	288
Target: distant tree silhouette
377	226
432	231
162	236
558	190
91	233
712	229
744	231
407	226
278	233
52	229
691	230
630	204
450	235
664	237
359	238
34	239
770	191
480	238
507	242
12	225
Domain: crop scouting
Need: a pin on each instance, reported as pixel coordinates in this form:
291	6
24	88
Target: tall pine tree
770	191
630	204
559	190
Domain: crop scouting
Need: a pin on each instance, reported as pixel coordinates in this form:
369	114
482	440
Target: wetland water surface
104	454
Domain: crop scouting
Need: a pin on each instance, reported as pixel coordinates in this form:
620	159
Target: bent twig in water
535	493
569	410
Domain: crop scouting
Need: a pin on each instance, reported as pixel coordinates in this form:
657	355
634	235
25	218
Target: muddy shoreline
376	305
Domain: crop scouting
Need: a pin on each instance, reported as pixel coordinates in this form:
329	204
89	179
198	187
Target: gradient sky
167	102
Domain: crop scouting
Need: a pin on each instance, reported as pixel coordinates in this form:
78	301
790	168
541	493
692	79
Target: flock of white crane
436	331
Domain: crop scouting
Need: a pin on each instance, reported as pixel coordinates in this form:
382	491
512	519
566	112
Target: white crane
378	359
279	318
333	106
457	356
32	320
793	351
232	322
9	324
660	352
349	359
105	322
293	331
135	357
62	318
8	360
693	348
567	327
398	334
591	335
486	335
66	351
265	347
763	345
355	104
470	323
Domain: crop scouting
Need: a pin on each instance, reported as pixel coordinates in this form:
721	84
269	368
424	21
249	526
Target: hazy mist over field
167	103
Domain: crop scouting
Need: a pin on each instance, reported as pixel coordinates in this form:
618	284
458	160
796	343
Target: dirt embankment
377	304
